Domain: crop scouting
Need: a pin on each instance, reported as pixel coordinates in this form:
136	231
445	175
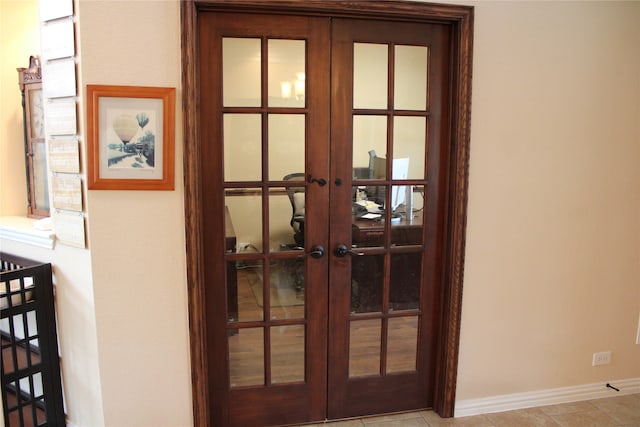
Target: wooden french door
389	94
324	172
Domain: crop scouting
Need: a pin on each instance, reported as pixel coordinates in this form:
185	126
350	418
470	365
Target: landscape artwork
131	139
130	144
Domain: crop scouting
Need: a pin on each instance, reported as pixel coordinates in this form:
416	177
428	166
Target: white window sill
21	229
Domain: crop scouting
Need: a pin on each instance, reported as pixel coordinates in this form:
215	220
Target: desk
367	272
365	232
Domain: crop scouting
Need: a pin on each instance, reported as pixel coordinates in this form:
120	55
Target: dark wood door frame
460	19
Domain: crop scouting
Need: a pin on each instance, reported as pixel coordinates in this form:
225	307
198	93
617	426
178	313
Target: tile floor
609	412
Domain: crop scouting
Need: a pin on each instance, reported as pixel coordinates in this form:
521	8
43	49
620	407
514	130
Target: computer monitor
400	170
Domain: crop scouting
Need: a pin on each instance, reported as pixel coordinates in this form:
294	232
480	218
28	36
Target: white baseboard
553	396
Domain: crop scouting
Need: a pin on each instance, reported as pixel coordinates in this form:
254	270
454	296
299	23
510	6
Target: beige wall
553	248
137	237
552	269
19	39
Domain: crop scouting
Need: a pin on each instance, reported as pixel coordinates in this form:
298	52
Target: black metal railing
31	385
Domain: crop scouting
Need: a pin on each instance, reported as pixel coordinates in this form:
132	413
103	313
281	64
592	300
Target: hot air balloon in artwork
125	127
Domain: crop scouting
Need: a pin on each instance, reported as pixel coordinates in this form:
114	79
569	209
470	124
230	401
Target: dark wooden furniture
367	271
34	139
232	273
371	232
31	385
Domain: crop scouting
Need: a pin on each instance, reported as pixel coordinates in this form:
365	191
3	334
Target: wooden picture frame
130	138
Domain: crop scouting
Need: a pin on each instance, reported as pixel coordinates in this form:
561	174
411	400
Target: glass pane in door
245	291
241	62
410	77
287	214
404	286
287	289
364	347
409	142
367	283
369	146
370	75
406	225
242	147
246	357
286	145
402	344
287	353
286	218
244	206
287	82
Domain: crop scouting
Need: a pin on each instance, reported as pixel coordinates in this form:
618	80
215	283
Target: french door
325	157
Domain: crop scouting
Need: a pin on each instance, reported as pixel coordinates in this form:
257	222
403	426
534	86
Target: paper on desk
371	216
369	205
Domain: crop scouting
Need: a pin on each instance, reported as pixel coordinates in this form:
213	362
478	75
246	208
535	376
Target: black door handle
316	252
321	181
343	250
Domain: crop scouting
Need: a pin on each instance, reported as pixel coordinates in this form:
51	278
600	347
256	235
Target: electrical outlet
602	358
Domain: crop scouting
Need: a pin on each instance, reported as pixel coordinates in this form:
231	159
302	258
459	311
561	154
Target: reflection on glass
369	202
245	213
242	147
407	214
287	215
406	223
286	287
368	228
367	280
402	344
369	133
286	145
404	288
286	73
364	347
370	74
281	231
409	141
410	78
401	207
40	176
245	296
246	355
241	72
287	354
401	198
36	119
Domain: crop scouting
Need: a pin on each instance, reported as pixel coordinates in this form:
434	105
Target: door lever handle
316	252
343	250
321	181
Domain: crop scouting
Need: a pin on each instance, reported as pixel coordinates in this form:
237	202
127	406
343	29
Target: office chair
296	197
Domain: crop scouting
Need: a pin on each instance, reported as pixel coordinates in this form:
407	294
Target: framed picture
130	137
